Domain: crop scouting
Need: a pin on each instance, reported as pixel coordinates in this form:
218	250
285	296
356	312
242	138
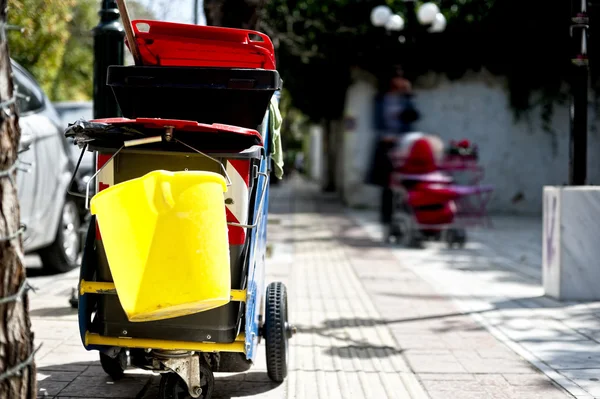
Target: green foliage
295	123
315	49
75	75
319	41
41	47
526	42
57	46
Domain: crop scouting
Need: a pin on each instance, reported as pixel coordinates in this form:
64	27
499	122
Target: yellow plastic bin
165	238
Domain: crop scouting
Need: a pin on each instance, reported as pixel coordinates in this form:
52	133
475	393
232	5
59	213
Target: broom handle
129	32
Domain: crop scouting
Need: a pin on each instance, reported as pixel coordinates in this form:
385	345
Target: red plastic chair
172	44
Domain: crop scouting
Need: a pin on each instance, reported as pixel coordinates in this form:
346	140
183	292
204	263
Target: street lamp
426	19
428	15
109	49
580	24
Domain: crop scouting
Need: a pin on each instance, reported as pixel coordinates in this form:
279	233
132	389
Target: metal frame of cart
256	307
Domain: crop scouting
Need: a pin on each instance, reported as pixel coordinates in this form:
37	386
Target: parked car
54	218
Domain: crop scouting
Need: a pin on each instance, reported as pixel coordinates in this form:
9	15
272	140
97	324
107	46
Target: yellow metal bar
144	343
238	295
93	287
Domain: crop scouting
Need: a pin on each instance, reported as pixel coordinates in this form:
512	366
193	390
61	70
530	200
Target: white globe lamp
380	15
439	25
395	23
427	13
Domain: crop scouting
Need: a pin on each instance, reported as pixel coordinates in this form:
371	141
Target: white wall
358	146
315	156
518	156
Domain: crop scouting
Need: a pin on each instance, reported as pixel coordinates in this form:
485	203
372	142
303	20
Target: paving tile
57	375
51	388
370	325
447	376
105	387
535	380
433	363
588	379
566	355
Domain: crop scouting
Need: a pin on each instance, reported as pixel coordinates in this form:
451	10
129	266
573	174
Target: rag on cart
275	122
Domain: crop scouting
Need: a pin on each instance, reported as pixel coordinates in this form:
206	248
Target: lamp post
109	48
428	15
579	93
426	19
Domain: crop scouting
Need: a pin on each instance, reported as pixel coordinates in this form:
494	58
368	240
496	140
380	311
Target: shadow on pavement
54	311
363	351
228	386
88	380
253	383
358	348
39	272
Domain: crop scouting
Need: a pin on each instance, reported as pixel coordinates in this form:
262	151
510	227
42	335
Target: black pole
109	50
411	26
196	10
579	95
109	47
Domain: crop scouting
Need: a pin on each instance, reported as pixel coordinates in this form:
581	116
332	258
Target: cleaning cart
172	277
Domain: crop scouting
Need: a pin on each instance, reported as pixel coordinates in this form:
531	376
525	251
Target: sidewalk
497	279
374	322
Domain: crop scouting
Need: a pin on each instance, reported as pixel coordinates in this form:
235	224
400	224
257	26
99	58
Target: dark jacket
381	166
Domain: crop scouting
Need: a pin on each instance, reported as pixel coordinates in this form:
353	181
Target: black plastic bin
229	96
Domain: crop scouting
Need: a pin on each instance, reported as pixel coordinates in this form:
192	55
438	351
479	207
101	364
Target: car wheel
63	254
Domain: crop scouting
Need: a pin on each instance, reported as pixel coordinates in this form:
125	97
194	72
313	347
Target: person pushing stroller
395	114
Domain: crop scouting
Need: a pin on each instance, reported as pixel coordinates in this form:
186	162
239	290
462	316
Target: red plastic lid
173	44
186	126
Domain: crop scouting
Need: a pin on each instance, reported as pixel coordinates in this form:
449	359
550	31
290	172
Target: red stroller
428	204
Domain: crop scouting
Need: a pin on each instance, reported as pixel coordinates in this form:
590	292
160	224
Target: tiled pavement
497	279
370	326
448	352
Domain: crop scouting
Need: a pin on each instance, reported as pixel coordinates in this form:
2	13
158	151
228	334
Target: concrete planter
571	243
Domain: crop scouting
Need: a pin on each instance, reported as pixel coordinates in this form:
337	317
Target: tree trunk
16	339
241	14
330	144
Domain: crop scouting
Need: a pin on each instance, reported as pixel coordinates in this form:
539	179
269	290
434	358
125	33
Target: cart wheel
114	367
403	229
461	237
390	233
456	236
450	238
276	331
173	387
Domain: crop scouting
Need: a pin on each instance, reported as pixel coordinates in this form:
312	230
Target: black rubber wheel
461	237
114	367
456	237
390	233
403	226
173	387
276	331
63	254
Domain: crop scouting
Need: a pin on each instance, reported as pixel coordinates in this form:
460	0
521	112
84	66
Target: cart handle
73	193
260	204
147	140
209	157
128	143
93	178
